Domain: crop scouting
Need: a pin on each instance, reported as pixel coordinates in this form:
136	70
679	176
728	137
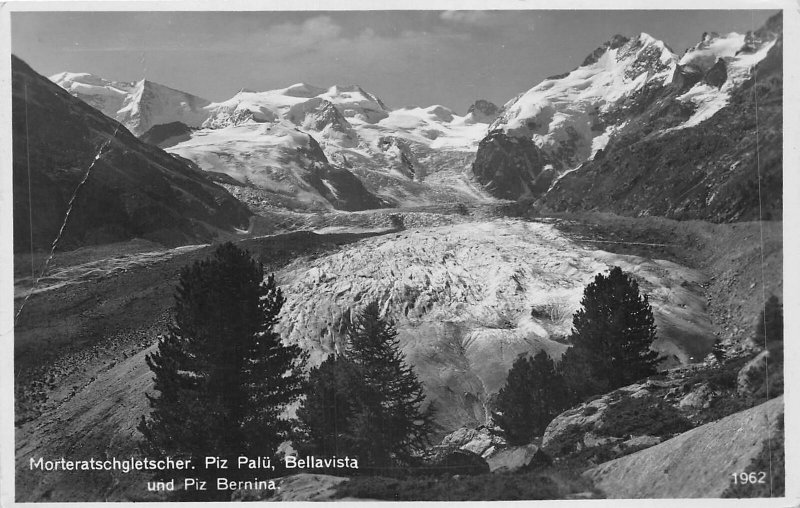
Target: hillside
698	463
71	161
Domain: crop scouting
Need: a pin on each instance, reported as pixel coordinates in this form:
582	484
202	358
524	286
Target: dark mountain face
133	190
714	171
511	167
166	135
662	153
338	185
483	111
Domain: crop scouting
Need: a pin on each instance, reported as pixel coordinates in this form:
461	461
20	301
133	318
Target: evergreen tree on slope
391	426
533	395
612	334
222	373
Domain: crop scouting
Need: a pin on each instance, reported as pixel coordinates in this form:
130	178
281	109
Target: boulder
568	429
481	441
700	397
511	459
641	442
614	423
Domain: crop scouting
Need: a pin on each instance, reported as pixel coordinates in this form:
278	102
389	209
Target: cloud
307	35
311	31
487	20
466	17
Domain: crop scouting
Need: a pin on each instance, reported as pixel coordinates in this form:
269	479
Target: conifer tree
611	334
533	395
391	426
367	402
333	398
222	375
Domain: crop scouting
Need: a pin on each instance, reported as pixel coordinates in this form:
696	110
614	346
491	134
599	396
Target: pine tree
333	398
367	402
391	427
223	376
612	334
575	367
533	395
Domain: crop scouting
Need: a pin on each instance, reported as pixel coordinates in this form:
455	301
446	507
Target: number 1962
746	478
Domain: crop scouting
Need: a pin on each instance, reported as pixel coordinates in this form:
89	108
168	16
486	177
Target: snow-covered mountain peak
636	87
565	108
302	90
102	94
712	47
356	103
151	104
482	111
68	80
138	105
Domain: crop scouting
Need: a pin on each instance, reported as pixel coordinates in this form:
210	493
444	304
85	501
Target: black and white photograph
282	253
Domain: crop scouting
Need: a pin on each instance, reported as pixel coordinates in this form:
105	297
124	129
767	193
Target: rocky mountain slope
635	120
71	160
698	463
727	168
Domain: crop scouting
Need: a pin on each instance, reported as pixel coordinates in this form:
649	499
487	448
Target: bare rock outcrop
489	445
613	421
697	463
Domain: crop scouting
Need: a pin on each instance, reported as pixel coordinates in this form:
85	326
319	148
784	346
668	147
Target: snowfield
407	157
739	67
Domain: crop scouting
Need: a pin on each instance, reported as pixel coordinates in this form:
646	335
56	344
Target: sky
405	57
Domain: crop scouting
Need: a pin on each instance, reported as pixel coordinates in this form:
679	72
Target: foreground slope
697	463
464	311
122	188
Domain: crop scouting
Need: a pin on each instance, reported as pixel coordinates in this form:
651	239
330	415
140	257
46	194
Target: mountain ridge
539	147
66	152
635	91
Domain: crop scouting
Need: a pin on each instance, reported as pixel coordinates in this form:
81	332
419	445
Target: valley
467	296
476	235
